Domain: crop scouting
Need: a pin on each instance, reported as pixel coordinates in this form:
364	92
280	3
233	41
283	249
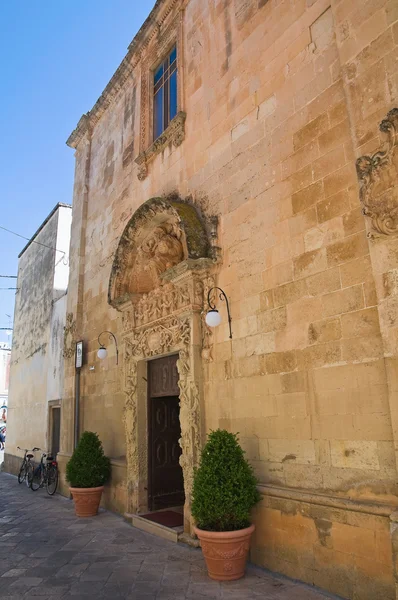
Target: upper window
165	93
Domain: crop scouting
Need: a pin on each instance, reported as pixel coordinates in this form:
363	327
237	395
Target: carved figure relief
69	336
378	176
161	302
161	250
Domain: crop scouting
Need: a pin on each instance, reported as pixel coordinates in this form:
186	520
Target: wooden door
166	483
55	430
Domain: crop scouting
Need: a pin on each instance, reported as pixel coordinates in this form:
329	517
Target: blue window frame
165	93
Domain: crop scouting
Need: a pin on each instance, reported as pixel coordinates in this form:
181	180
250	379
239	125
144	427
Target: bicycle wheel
22	472
37	479
29	474
52	480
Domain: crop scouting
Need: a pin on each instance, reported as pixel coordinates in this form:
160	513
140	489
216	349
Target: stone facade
37	369
277	182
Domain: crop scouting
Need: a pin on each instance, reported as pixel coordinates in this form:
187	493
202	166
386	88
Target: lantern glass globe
102	353
213	318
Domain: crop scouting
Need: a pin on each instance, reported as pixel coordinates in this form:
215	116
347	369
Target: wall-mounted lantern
213	317
102	351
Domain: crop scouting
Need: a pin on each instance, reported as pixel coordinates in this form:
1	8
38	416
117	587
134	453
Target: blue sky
56	58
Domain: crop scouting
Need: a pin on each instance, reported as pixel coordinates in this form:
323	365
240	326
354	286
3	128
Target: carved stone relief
69	336
161	250
161	235
165	248
171	335
378	176
207	332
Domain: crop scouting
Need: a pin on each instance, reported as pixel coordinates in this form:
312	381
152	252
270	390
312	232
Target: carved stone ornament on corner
378	178
174	134
69	336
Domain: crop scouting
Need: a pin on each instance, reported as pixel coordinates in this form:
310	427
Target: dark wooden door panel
56	430
163	377
166	484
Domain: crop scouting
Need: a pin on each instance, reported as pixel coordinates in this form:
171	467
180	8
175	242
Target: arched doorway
160	277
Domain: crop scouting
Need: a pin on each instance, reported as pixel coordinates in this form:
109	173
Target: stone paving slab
47	553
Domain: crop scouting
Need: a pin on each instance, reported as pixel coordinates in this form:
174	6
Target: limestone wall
36	372
281	99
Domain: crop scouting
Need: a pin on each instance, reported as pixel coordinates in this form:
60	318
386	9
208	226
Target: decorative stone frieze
377	175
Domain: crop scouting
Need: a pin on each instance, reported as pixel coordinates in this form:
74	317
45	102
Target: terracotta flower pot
87	500
225	552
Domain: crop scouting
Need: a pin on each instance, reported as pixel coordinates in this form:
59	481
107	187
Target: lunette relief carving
161	250
378	175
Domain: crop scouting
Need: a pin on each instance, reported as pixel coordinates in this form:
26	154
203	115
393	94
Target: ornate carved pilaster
378	176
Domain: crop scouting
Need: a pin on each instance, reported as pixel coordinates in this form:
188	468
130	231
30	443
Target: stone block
322	283
343	301
267	107
320	355
362	348
293	382
310	263
303	311
284	294
307	197
356	271
336	135
354	454
261	343
272	320
348	249
294	451
373	426
337	113
310	131
360	323
300	180
280	362
340	179
247	366
329	163
324	331
333	206
324	234
292	405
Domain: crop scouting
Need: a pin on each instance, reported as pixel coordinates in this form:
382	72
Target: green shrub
88	466
224	488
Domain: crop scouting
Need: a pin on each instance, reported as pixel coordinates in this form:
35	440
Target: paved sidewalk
48	553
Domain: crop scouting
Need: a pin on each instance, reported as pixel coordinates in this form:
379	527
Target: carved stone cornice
174	134
157	19
378	176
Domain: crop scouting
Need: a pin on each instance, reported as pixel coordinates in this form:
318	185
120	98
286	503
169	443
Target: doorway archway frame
166	320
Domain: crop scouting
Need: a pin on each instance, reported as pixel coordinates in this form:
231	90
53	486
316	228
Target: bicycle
26	470
45	474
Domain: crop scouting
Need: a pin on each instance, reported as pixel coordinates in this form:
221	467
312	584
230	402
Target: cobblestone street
48	552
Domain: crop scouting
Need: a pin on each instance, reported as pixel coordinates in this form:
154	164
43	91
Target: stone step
155	528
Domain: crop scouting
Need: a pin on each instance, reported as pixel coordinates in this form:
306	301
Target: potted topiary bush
224	492
86	473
